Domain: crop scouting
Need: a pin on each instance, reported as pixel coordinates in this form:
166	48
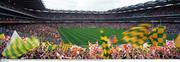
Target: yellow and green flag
158	36
20	47
2	36
137	36
177	41
105	45
65	47
17	46
49	46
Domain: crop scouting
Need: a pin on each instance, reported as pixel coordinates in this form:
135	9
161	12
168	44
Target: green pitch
81	36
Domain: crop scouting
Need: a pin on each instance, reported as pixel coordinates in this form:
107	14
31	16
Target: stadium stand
152	10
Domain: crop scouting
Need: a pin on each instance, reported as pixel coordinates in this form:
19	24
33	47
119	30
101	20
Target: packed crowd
116	52
43	31
121	54
80	15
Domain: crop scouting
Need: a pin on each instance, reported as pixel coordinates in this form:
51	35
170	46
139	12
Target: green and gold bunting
158	36
137	35
20	47
105	46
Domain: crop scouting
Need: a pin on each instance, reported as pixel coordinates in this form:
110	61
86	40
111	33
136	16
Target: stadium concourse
72	34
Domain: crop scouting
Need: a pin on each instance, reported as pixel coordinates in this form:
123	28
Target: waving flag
177	41
105	45
2	36
158	36
65	47
18	47
137	35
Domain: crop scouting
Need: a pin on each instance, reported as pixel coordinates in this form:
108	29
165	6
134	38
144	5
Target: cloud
99	5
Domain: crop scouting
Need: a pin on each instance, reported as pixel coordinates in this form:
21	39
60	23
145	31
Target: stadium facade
25	11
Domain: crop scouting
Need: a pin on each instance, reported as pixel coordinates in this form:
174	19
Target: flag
14	36
2	36
65	47
18	47
158	36
177	41
137	36
105	45
49	46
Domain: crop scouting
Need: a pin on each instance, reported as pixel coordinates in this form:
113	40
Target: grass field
81	36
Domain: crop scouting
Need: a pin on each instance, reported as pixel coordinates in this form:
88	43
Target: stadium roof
147	5
89	5
32	4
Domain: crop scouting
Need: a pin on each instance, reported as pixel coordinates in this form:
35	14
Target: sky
90	5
